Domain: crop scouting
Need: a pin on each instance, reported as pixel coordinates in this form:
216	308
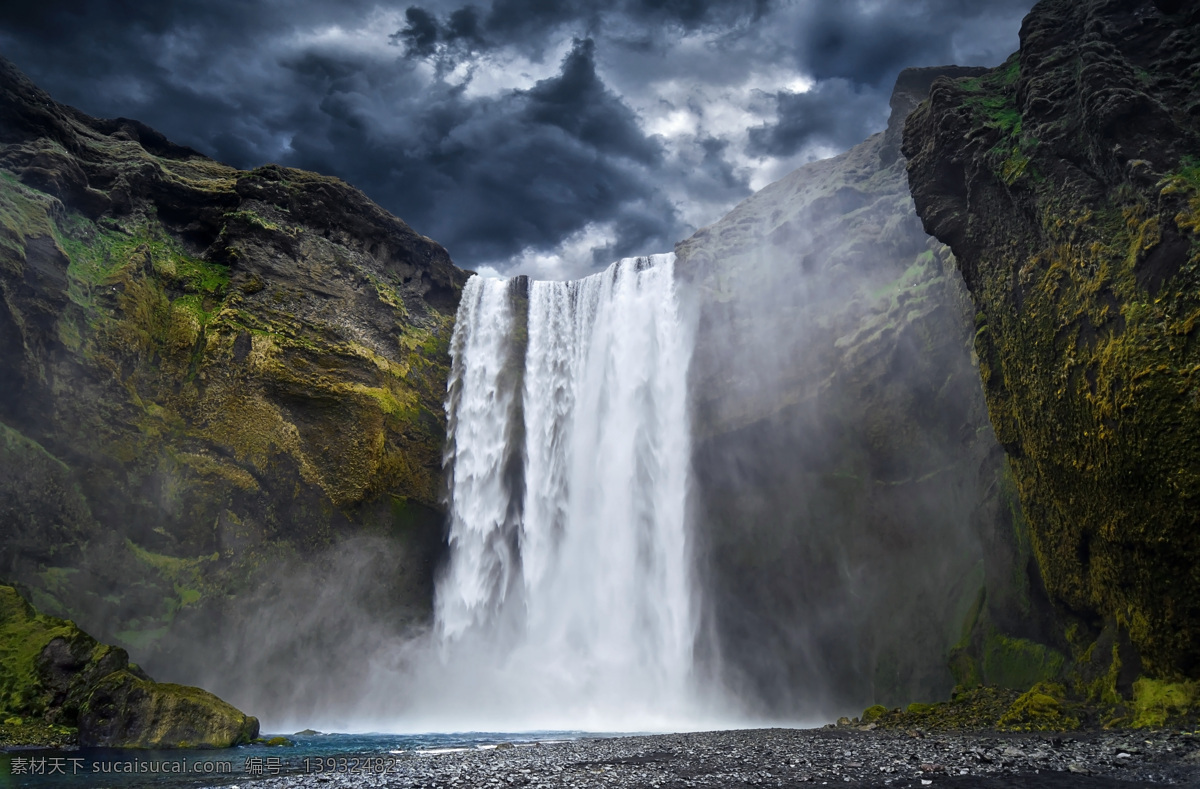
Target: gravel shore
790	757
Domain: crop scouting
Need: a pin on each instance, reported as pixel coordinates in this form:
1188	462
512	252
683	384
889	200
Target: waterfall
568	589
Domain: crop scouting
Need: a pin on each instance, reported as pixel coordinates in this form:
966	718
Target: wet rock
124	711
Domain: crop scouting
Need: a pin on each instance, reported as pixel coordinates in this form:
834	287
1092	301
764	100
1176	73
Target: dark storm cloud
865	44
386	97
421	34
578	103
834	114
521	169
423	31
509	20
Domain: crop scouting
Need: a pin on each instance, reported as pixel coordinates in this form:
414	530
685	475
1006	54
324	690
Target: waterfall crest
568	585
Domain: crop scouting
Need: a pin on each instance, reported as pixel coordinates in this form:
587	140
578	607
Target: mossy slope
1066	183
56	680
208	373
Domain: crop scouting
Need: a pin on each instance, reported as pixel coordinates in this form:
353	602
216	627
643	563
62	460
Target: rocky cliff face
852	500
222	392
1067	184
59	685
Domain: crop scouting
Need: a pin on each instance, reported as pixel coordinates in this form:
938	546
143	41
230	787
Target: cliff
854	508
1067	184
59	685
220	387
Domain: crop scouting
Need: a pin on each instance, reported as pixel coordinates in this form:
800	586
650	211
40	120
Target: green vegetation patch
1185	180
34	733
874	713
1019	663
100	254
23	635
969	709
184	576
1043	707
1158	703
24	214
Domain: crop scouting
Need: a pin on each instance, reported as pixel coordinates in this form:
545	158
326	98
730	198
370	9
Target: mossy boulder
874	713
1043	707
126	711
55	680
1067	184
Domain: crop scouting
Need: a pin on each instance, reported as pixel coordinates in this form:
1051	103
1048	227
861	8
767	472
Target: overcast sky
535	136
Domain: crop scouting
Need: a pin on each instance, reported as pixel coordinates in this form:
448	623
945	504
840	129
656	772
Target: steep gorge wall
855	513
1067	184
221	407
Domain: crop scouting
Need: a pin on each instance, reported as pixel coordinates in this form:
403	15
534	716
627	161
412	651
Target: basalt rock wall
1067	184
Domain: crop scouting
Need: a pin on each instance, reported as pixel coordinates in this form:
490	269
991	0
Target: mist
844	462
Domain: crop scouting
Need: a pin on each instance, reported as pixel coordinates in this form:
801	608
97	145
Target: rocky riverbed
783	757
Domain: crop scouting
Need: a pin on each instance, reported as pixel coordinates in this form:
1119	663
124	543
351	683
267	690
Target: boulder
126	711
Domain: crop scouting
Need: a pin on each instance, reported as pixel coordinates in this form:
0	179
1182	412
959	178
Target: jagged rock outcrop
213	382
54	676
852	501
1067	184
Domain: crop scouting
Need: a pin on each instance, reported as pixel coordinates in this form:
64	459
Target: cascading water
568	592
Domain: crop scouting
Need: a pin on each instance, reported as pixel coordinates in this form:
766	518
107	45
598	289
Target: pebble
849	757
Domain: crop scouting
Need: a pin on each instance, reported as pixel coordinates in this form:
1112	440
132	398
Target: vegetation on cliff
1067	184
59	685
213	378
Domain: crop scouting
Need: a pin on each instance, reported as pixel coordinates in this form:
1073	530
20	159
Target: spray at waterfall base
568	600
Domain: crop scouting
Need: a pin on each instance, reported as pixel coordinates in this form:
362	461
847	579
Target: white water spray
568	599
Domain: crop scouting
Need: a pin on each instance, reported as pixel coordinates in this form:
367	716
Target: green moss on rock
1043	707
129	712
1089	278
1158	703
968	709
874	713
57	682
1019	663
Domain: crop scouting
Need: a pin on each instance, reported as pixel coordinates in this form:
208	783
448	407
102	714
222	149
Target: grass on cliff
1185	180
24	214
997	100
100	253
185	578
993	99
